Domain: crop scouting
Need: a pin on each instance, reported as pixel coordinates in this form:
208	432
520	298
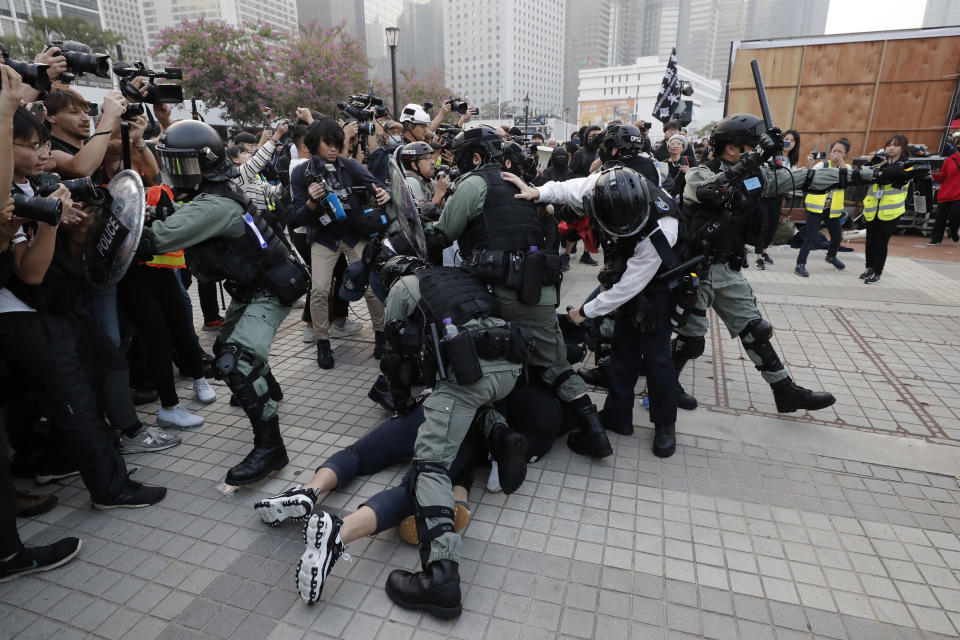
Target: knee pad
228	356
689	347
421	512
758	329
560	379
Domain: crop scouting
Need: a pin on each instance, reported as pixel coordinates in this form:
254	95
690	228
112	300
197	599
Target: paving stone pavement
842	524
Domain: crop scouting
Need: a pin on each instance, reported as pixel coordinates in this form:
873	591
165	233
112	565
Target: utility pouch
514	274
488	266
286	281
521	343
533	272
553	274
462	359
492	343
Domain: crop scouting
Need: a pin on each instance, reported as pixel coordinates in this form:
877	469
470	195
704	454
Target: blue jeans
103	305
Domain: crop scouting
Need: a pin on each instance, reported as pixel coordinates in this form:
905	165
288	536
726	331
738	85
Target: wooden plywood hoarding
864	87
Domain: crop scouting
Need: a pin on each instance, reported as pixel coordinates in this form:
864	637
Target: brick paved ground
843	524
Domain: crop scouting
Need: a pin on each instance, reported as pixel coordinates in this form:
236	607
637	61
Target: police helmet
522	163
482	139
414	114
190	152
413	151
619	202
625	138
738	129
397	267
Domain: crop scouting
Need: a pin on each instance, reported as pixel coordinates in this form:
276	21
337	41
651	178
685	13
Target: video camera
81	189
364	108
156	93
461	106
38	208
34	75
81	59
445	134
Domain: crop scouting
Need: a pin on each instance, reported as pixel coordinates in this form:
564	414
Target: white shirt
9	302
641	268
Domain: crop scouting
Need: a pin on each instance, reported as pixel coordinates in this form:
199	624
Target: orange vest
174	259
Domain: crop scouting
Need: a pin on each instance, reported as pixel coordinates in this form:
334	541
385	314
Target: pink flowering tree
228	67
321	68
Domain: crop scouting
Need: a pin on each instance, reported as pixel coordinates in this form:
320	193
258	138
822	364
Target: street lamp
566	119
526	113
393	37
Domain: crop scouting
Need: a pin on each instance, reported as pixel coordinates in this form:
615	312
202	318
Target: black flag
669	95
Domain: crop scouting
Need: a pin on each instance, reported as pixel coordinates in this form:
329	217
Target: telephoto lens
81	59
41	209
133	110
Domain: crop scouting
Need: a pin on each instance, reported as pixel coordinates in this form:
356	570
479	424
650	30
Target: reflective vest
885	201
173	259
270	203
817	202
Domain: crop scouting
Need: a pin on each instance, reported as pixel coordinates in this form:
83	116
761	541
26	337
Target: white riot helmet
414	114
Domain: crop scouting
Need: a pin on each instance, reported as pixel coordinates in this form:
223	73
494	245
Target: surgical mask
392	139
787	143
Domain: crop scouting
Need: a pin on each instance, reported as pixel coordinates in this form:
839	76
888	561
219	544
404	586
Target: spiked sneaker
790	397
295	504
435	590
324	547
268	454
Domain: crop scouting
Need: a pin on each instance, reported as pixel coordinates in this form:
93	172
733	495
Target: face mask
561	163
787	144
392	139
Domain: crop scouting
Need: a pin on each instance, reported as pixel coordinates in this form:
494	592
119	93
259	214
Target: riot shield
118	222
404	230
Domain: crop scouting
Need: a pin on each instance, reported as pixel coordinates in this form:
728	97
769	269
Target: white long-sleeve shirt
253	186
641	267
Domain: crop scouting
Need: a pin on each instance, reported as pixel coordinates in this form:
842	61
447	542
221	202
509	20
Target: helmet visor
180	168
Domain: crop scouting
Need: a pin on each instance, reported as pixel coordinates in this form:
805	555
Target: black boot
790	397
596	376
268	454
680	358
380	393
591	438
435	590
586	258
664	440
379	344
684	399
509	449
273	387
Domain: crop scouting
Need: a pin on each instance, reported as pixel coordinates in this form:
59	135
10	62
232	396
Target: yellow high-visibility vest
172	260
817	202
885	201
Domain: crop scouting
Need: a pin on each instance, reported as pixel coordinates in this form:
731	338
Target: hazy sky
849	16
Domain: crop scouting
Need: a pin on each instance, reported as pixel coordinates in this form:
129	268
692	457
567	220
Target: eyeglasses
36	146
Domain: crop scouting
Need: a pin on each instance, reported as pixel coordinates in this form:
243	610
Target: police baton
764	105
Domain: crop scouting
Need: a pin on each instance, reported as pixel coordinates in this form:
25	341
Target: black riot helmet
738	129
620	201
190	152
482	139
522	164
397	267
625	138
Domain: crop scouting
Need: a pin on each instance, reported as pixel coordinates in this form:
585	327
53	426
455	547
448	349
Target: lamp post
393	37
526	113
566	119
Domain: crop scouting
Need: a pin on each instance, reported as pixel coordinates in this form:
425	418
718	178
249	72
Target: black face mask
561	163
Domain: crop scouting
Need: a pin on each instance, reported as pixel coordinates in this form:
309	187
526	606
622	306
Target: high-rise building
505	50
126	18
14	13
159	14
598	34
941	13
379	15
789	18
421	36
328	13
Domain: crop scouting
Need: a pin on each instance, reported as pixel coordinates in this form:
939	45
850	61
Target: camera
41	209
445	134
364	128
34	75
81	189
451	172
461	106
364	108
81	59
156	93
133	110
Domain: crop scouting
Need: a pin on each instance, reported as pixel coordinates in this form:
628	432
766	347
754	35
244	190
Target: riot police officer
639	225
625	144
225	238
721	201
502	243
477	362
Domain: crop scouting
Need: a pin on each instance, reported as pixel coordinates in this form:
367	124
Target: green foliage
40	31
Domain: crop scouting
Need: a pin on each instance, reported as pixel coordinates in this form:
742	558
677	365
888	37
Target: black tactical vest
739	222
506	224
257	260
450	292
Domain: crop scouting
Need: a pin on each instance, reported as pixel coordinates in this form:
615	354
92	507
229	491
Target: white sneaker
178	417
493	481
308	335
203	391
347	328
324	548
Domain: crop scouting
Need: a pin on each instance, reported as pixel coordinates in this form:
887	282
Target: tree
40	31
228	67
416	89
321	68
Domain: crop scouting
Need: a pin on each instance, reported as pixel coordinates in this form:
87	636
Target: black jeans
879	233
769	219
302	245
52	356
648	352
153	302
948	217
392	441
9	538
209	305
811	235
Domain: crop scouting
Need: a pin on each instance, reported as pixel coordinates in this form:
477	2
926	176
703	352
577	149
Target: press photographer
429	189
415	121
328	195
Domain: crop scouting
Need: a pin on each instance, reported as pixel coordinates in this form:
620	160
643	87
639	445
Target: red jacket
949	179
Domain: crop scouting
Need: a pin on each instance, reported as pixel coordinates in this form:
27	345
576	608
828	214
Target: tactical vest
506	224
737	223
259	260
817	202
449	292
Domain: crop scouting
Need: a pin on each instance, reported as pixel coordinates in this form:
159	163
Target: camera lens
40	209
133	110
